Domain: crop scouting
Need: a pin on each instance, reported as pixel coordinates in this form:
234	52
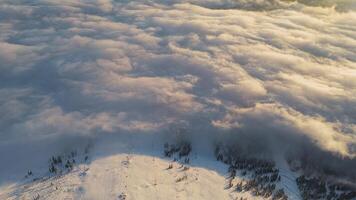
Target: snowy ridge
125	168
129	174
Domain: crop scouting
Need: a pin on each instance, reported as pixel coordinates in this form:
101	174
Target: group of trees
261	175
257	188
183	149
67	161
58	163
179	151
317	188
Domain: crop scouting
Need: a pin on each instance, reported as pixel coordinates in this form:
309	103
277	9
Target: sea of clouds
279	72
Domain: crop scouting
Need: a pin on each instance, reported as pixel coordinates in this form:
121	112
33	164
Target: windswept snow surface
120	171
124	175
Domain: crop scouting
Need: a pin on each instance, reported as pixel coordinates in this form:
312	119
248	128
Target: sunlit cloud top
267	68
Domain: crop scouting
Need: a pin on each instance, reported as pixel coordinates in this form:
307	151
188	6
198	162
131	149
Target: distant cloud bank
90	67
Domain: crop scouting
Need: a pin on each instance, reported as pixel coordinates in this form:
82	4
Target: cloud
95	67
273	120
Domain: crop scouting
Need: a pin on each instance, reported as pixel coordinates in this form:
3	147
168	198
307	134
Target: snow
138	170
288	178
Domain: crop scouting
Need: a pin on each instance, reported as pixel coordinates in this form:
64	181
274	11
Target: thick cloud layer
276	71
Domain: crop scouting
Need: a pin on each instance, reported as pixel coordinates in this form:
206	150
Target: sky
277	73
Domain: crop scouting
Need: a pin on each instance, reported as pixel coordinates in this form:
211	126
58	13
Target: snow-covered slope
123	171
